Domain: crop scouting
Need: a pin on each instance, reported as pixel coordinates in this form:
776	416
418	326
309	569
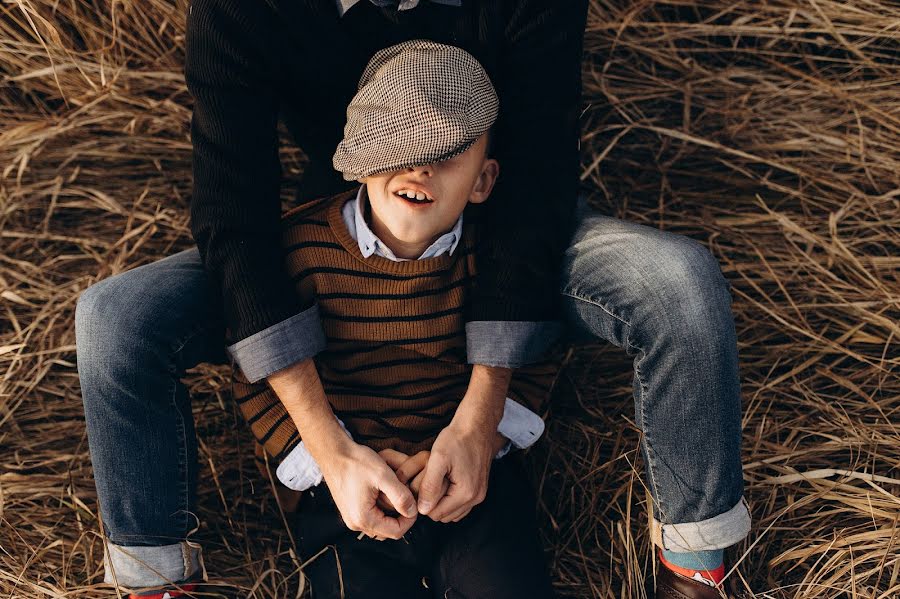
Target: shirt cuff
298	470
284	343
510	343
520	425
504	450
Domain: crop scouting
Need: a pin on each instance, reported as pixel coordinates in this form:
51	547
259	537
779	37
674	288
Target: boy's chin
413	233
417	239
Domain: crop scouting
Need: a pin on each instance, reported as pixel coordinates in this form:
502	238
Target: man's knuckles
470	491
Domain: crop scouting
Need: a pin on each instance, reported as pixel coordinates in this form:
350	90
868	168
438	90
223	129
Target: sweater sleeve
529	217
235	204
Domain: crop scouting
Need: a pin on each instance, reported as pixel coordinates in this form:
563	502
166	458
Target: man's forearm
300	390
482	407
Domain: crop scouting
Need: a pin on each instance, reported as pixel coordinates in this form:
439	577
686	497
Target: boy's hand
412	472
409	469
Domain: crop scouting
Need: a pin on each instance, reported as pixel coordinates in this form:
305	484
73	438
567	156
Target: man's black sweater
251	62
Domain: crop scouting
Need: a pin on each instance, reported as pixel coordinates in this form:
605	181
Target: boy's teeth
412	195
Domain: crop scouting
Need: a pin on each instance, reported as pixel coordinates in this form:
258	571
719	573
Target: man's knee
671	265
111	321
688	276
96	310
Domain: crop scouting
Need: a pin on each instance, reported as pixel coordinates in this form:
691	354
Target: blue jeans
658	295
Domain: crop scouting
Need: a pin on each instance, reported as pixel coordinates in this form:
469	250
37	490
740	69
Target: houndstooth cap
418	102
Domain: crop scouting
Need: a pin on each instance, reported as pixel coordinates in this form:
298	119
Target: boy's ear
485	183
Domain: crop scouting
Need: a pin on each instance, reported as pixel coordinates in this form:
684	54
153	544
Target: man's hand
358	478
354	473
455	478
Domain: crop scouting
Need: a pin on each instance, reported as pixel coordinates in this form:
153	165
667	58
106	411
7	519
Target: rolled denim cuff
284	343
510	343
717	532
136	568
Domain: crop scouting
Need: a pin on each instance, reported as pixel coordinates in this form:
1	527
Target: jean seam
183	453
599	305
639	378
182	447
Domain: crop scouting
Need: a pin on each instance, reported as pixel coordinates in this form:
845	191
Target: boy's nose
425	169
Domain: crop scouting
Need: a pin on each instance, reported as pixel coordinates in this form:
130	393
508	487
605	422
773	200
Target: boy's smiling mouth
414	196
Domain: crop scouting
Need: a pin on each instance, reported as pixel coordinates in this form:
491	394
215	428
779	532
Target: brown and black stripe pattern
395	366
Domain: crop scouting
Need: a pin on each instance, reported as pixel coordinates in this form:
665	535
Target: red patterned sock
710	577
168	594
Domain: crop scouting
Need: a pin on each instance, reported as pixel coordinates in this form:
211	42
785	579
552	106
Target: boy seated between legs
389	265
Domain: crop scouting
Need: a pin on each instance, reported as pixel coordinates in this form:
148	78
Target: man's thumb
432	483
400	497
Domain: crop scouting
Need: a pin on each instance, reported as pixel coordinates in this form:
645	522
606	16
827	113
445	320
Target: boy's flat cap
417	103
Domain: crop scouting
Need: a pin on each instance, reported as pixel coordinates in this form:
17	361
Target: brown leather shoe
670	585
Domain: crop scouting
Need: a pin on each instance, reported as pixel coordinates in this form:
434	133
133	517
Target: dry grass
769	131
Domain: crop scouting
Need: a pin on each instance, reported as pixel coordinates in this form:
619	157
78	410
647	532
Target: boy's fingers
394	458
411	467
416	483
433	487
406	471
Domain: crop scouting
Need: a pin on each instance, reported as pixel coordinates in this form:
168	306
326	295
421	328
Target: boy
389	265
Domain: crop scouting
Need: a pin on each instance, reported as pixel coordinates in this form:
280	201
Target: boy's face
446	187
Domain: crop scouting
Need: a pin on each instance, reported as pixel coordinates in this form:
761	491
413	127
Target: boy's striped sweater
395	368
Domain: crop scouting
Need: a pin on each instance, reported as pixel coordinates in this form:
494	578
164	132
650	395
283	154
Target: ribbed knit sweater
252	63
394	369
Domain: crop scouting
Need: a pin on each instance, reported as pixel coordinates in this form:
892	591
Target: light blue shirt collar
345	5
370	244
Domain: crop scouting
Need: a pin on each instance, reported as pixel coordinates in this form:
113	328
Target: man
246	61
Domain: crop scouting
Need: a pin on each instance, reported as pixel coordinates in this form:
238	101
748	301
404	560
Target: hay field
770	131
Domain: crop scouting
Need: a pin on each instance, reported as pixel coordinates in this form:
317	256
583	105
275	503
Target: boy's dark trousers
494	552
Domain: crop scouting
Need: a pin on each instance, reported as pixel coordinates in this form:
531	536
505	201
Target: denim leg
136	333
662	297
